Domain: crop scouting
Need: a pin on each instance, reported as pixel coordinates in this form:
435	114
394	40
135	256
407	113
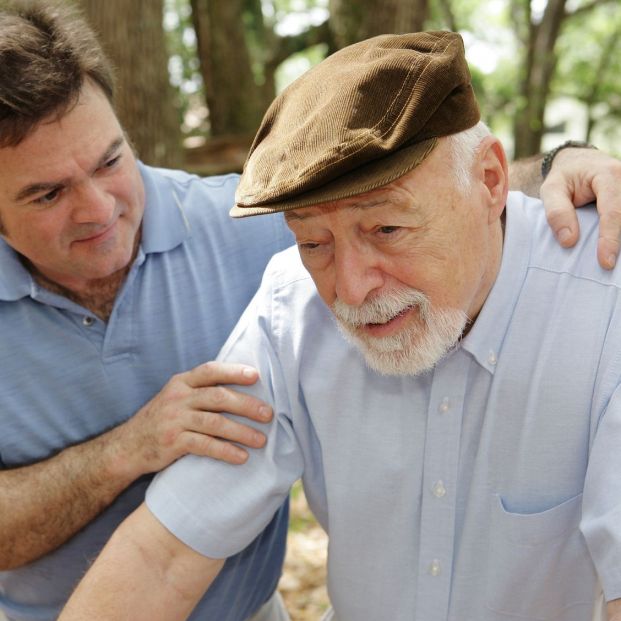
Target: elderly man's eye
387	230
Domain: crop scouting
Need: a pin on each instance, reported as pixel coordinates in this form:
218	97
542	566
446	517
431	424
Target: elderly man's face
405	267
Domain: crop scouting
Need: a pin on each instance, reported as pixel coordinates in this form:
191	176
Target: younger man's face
71	196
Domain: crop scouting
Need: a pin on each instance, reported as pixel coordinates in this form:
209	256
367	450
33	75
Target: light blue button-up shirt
67	376
487	489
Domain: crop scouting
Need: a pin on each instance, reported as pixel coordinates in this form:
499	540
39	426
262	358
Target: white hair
417	347
462	148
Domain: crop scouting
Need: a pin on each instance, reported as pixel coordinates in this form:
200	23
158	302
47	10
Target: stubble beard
415	349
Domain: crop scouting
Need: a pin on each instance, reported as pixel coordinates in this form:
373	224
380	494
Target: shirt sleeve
601	511
217	508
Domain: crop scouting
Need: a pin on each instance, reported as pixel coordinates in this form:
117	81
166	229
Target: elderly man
460	443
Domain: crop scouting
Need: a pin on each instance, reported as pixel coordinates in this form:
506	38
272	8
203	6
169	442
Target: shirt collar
484	341
15	280
164	227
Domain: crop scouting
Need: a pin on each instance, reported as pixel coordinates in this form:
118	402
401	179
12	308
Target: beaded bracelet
548	157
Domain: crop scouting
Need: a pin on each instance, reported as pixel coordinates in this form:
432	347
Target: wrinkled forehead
362	202
408	190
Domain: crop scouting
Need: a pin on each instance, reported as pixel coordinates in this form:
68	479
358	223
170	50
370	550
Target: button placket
437	529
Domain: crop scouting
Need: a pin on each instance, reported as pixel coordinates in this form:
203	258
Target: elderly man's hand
578	177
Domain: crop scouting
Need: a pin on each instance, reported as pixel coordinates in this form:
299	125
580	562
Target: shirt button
435	568
491	358
439	491
445	405
87	321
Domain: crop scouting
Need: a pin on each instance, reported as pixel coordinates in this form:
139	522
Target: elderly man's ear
491	169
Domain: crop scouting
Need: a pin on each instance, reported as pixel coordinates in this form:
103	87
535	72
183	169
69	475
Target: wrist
548	156
118	460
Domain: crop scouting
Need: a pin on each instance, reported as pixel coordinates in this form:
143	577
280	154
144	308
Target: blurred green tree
227	61
589	68
133	37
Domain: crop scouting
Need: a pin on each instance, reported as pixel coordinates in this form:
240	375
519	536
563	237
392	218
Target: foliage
589	68
588	49
183	66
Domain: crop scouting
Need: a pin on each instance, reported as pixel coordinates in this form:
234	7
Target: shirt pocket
538	564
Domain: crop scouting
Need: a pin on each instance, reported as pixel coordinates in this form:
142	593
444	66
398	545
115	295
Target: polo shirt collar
15	280
164	227
484	341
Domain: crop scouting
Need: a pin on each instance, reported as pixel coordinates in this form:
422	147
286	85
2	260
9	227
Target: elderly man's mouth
391	326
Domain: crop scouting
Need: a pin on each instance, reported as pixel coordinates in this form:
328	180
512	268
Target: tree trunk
539	66
132	35
355	20
236	103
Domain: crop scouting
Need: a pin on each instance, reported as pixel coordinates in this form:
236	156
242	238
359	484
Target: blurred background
196	76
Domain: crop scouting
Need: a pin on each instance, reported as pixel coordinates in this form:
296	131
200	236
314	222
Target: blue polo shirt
67	376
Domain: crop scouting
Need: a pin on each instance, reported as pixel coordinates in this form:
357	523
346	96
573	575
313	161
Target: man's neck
494	261
98	296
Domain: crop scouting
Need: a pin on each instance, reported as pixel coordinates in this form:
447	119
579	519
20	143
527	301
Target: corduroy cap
360	119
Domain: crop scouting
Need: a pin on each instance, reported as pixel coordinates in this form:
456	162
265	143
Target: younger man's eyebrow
111	150
48	186
37	188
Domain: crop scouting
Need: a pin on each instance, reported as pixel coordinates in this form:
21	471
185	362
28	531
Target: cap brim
364	179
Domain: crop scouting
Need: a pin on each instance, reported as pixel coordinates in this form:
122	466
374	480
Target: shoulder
527	215
205	203
205	195
288	294
286	271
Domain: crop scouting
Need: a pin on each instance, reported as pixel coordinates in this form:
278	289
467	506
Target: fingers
208	446
609	208
560	212
578	177
211	373
208	396
224	399
212	435
607	252
223	428
561	215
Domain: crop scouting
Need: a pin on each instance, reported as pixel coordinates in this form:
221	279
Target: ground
303	584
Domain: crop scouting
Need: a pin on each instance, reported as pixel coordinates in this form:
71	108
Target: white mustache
382	309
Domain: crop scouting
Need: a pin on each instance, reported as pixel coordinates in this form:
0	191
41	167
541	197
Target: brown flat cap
360	119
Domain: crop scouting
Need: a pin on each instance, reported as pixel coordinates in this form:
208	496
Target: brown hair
47	50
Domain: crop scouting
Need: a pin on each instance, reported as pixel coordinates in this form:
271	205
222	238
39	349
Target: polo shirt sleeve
217	508
601	512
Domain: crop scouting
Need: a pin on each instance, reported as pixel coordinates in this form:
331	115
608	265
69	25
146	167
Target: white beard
416	348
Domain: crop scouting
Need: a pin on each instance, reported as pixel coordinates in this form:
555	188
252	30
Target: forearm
144	574
525	175
43	505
